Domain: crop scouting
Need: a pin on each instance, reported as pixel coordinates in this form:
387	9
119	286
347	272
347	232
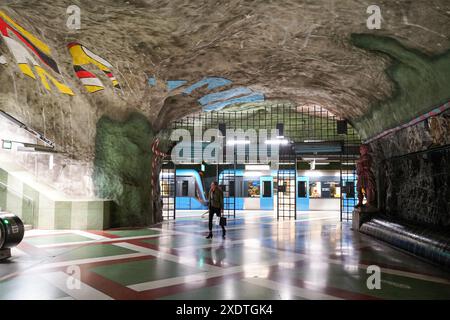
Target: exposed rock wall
420	82
122	169
414	180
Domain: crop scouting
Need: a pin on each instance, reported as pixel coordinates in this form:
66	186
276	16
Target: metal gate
227	181
349	196
286	191
167	182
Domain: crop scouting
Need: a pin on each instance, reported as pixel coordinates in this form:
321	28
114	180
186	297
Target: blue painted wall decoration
217	100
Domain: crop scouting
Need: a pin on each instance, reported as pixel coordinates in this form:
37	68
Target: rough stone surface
123	169
301	51
415	182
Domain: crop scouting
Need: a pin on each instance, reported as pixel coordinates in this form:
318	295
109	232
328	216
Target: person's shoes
209	236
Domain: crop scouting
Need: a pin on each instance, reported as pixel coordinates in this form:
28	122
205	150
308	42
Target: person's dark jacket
215	198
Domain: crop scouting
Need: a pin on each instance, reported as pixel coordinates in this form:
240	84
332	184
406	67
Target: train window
350	186
267	189
253	189
302	189
315	189
232	188
185	188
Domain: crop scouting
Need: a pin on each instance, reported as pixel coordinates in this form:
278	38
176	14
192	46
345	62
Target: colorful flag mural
81	57
20	43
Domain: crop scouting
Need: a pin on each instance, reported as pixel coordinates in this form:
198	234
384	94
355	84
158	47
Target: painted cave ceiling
158	57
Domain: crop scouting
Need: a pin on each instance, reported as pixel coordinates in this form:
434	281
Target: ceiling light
237	142
7	144
252	174
261	167
278	141
311	159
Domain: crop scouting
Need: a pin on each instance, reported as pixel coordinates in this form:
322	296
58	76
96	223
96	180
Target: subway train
256	189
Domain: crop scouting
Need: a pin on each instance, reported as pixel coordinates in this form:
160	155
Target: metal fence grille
306	124
167	181
286	192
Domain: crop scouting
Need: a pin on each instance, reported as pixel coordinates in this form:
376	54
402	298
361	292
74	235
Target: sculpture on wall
82	56
366	179
24	58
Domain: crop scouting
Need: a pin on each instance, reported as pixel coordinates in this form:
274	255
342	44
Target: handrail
16	192
436	149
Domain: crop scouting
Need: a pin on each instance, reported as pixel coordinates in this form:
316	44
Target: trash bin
12	231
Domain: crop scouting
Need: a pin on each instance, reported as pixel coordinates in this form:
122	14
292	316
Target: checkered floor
315	257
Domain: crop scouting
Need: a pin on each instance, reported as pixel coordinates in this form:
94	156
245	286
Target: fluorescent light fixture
322	163
313	173
7	144
312	159
261	167
277	141
312	141
348	163
252	173
166	174
236	142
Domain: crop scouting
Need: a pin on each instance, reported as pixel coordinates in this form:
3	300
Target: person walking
215	206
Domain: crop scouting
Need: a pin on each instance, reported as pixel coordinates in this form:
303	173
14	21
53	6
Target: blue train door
302	193
348	195
266	194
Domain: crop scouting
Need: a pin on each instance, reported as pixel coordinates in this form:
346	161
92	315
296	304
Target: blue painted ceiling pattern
217	100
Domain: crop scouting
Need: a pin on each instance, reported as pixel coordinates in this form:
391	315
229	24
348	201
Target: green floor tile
133	233
230	290
92	251
177	241
144	271
56	239
355	280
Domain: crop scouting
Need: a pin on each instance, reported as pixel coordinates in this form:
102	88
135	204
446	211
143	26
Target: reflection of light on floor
199	279
255	243
201	262
229	287
351	267
186	260
316	273
344	250
316	269
288	265
256	272
285	291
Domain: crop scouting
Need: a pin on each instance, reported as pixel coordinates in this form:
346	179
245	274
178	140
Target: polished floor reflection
315	257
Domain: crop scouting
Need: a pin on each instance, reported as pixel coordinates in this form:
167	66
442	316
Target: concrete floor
315	257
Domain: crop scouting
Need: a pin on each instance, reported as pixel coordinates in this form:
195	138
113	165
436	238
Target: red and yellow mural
81	57
18	40
30	52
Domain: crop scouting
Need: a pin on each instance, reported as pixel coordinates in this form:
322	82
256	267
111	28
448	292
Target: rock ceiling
297	50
